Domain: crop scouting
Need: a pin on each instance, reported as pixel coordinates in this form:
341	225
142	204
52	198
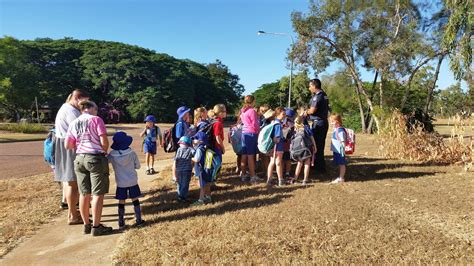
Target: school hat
121	141
268	114
150	118
200	136
182	111
290	112
185	140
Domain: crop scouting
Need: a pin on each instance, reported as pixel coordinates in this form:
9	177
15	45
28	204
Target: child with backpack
151	134
277	153
200	142
251	128
338	144
217	141
288	131
264	159
125	162
182	167
303	148
200	118
182	125
235	139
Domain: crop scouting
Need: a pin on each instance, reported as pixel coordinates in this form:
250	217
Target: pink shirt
250	120
85	132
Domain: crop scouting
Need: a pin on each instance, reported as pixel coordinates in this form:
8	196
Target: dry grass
390	212
397	142
25	204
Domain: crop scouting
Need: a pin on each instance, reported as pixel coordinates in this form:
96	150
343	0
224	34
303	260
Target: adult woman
64	159
250	130
88	136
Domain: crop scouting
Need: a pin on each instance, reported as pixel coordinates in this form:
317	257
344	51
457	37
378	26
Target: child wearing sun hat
182	167
125	162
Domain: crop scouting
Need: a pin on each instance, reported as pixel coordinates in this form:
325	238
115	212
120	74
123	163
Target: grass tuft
24	128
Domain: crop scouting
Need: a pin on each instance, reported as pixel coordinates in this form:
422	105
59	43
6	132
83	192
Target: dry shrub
415	144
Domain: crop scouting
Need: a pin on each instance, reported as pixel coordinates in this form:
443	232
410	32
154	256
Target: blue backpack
48	147
211	165
235	138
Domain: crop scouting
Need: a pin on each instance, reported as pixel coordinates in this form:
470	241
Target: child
267	118
288	131
300	127
182	125
199	155
211	115
338	143
235	141
200	118
220	113
151	133
261	112
277	155
124	161
182	167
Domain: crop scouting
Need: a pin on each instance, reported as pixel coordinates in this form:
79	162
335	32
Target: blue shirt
182	128
321	102
183	159
200	152
336	140
152	134
277	130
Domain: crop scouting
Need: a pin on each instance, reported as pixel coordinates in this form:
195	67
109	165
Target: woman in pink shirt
88	136
250	130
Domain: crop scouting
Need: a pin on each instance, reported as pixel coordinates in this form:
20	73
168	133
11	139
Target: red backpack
170	144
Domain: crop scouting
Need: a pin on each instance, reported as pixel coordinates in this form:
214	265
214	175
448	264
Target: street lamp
261	32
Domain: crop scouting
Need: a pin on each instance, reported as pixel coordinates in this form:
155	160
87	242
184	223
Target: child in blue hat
151	133
182	167
125	162
200	142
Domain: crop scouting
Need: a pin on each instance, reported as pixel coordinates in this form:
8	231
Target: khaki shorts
92	173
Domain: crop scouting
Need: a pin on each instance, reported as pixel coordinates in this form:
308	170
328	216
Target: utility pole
37	110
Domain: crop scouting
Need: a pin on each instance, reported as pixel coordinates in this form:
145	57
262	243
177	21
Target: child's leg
271	164
287	167
307	166
299	166
279	165
121	213
207	190
342	171
243	164
183	183
137	210
147	160
152	158
251	164
239	162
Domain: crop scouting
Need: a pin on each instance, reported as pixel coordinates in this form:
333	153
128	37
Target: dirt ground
389	212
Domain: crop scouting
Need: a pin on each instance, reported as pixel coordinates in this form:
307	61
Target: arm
142	134
315	149
136	161
220	142
104	141
174	169
160	137
70	144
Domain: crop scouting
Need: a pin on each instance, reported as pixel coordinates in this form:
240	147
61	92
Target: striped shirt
183	159
85	132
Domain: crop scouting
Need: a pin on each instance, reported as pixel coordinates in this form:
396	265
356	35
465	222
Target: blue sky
202	31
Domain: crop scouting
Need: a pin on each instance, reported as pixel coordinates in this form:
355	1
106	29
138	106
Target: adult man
318	113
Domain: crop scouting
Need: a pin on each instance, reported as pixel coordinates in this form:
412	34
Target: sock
138	211
147	167
121	212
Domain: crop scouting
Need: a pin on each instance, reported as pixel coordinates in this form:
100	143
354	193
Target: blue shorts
280	146
204	181
149	147
338	159
124	193
249	144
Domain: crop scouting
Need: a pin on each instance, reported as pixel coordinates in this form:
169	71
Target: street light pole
260	32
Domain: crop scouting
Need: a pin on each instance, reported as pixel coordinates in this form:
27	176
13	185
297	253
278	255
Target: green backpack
265	138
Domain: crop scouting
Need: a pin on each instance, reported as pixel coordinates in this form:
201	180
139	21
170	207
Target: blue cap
200	136
150	118
290	112
121	141
185	140
182	111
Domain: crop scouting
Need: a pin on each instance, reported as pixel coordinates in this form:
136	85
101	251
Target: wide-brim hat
185	140
121	141
290	112
268	114
182	111
200	136
150	118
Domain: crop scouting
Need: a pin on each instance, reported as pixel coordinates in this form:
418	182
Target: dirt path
60	244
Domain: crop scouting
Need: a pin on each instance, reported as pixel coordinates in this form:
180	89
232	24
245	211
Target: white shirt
66	114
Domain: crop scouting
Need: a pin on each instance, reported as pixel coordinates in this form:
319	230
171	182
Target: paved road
22	159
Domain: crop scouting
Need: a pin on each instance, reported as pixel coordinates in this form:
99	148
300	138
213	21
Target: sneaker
337	181
256	179
207	199
198	202
123	227
281	183
244	178
63	205
152	171
305	183
87	229
140	224
237	170
269	183
148	172
101	230
182	200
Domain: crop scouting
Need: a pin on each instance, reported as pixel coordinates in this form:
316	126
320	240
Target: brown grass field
389	212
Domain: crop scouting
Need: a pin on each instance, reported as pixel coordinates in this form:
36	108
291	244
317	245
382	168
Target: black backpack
301	146
208	129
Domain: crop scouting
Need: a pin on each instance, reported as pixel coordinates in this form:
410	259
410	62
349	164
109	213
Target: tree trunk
433	85
361	110
381	90
368	118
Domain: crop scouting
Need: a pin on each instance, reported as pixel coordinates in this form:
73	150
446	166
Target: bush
24	128
417	144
